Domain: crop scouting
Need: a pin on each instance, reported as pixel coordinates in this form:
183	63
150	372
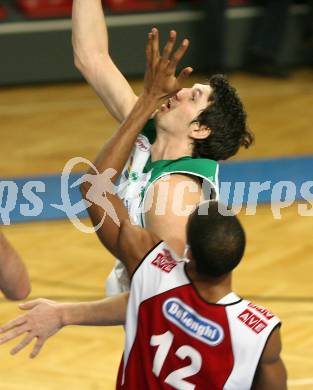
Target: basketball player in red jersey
185	327
14	280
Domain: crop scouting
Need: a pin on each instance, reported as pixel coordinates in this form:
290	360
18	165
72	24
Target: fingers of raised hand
12	324
177	56
155	49
149	49
168	48
26	340
183	75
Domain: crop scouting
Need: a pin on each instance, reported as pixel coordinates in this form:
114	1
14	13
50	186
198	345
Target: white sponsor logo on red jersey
187	319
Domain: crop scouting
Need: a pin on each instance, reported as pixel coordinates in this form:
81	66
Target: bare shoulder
271	373
177	189
168	206
134	243
273	347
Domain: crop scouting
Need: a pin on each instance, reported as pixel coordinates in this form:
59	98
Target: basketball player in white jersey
185	327
163	148
14	280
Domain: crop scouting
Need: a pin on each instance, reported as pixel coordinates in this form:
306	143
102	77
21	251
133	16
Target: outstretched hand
41	322
160	78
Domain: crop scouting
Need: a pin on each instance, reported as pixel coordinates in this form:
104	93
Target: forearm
14	280
114	155
90	34
116	151
92	59
109	311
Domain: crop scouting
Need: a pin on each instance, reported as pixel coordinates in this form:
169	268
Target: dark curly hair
216	238
226	118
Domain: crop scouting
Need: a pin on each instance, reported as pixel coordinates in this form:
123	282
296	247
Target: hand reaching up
160	78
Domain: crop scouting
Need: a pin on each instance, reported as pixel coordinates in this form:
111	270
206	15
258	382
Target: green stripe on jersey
202	167
191	166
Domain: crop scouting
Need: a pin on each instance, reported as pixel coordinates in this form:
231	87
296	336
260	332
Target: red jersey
177	340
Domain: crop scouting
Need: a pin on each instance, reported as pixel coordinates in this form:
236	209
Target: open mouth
171	101
169	104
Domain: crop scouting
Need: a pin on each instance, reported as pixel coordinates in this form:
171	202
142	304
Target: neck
168	146
211	289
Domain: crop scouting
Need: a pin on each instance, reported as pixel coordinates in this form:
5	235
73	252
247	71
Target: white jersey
177	340
132	182
135	181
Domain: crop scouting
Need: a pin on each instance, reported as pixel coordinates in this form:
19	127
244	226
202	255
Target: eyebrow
202	92
199	90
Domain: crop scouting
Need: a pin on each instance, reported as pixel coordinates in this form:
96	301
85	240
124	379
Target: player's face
180	110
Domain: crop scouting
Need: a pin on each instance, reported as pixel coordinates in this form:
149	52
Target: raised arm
45	318
271	373
92	59
14	280
109	164
160	80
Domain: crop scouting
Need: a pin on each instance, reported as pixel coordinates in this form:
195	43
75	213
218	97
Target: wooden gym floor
42	127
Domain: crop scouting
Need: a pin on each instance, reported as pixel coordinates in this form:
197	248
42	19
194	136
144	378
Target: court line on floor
94	292
300	382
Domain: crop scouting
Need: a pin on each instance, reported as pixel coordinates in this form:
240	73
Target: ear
198	131
191	265
189	254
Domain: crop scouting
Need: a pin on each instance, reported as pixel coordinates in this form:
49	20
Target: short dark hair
226	118
216	239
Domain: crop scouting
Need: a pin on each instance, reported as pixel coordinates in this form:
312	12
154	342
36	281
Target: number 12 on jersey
176	378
